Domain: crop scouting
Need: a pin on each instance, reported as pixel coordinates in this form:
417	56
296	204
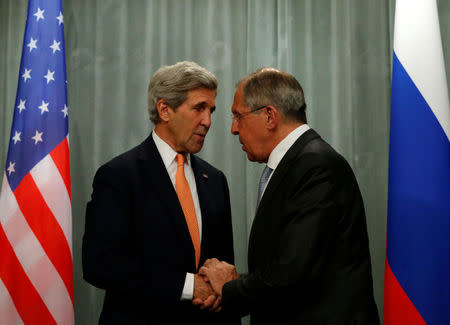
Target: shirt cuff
188	289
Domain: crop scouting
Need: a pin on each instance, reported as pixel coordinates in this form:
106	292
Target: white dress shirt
280	150
168	156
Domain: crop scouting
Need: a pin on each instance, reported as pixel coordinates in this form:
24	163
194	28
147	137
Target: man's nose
234	128
206	118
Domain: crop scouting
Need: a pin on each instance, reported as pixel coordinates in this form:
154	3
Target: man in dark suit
158	211
308	255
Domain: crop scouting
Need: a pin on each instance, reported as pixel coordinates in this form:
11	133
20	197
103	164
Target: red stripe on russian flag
46	229
28	302
398	308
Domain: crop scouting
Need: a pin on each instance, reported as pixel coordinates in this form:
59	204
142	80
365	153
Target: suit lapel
283	166
204	197
155	174
277	178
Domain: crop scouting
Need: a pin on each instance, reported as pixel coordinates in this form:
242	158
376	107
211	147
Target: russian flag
417	273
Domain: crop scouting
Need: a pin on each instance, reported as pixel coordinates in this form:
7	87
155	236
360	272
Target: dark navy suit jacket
137	245
308	255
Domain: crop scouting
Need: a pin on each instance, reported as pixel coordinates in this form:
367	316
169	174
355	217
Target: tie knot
180	159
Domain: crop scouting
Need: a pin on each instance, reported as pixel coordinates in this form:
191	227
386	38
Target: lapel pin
205	175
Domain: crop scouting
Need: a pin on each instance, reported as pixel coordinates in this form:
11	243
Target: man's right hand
218	273
204	295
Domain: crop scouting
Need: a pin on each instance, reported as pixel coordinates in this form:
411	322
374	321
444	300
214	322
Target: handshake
208	283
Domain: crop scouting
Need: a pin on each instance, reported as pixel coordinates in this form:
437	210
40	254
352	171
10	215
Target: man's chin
250	156
253	158
194	148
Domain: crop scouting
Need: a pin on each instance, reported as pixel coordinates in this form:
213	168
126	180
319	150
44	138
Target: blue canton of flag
40	115
36	268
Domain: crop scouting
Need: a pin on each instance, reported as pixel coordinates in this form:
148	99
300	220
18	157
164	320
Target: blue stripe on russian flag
418	237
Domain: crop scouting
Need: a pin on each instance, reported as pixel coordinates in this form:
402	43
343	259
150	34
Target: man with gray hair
308	252
158	212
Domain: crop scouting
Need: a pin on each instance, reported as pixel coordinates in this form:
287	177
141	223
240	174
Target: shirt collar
165	150
280	150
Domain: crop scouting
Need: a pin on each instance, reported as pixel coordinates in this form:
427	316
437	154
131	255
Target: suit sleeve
309	217
109	256
226	251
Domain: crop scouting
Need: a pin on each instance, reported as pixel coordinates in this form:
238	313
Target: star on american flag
43	107
60	18
38	137
16	137
65	110
10	168
55	46
26	75
49	76
39	14
21	105
32	44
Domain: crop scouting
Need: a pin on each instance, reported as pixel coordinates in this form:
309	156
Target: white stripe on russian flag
417	36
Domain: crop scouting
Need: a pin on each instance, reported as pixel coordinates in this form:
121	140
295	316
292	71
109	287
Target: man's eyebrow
205	104
200	104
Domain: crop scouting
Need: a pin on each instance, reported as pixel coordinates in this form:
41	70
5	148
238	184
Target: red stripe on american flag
60	156
27	300
46	229
398	308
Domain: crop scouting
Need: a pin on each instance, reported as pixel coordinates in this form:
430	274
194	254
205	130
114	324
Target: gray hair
172	84
270	86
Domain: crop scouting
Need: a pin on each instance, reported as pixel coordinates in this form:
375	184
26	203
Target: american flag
36	279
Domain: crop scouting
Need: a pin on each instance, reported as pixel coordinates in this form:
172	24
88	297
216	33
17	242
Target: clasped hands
208	283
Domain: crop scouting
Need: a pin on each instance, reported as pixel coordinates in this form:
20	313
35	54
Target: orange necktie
187	204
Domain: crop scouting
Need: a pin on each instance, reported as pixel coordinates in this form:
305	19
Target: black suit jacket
137	245
308	255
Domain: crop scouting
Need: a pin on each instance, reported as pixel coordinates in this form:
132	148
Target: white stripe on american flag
6	207
33	259
48	179
8	312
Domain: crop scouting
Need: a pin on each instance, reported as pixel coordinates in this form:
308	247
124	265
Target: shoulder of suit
122	170
127	158
317	152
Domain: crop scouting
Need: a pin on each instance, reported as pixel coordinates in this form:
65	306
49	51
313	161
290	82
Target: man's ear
272	117
163	110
